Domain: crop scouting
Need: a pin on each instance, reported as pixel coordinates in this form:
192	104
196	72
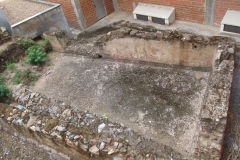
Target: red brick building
84	13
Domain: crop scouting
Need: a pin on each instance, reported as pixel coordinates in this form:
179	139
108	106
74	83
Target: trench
159	102
171	88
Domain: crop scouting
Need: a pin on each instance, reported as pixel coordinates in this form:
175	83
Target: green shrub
25	73
35	55
4	91
45	45
9	65
25	43
16	77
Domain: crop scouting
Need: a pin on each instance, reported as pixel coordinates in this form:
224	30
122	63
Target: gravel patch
18	10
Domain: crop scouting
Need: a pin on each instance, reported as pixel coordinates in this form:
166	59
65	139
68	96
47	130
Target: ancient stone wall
79	134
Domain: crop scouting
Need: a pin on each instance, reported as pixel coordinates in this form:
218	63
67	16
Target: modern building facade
83	13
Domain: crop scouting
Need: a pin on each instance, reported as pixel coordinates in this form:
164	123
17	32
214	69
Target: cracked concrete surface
162	102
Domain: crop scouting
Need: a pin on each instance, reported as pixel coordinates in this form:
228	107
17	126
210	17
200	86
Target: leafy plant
16	77
105	116
25	43
45	45
9	65
35	55
4	91
25	73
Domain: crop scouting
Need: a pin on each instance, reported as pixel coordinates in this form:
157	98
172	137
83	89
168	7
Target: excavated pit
171	87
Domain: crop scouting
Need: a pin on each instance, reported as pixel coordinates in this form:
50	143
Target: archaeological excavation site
124	90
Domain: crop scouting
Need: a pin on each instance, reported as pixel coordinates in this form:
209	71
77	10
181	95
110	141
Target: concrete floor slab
163	103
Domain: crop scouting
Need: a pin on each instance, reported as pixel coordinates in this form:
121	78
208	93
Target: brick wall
109	6
221	6
88	11
186	10
68	12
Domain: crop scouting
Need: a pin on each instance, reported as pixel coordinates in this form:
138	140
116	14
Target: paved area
159	102
19	10
188	27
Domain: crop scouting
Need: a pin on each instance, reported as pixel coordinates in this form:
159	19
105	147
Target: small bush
45	45
16	77
4	91
35	55
25	73
10	66
25	43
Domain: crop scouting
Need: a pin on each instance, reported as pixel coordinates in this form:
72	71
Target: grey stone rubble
88	43
80	129
4	35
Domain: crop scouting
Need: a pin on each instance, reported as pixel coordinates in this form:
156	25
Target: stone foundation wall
79	134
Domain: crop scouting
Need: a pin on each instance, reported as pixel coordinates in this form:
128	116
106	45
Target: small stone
76	143
111	151
123	150
120	130
54	133
71	137
20	122
120	145
68	133
100	127
59	137
231	50
94	150
147	138
109	140
69	143
20	107
84	147
49	110
33	128
76	137
217	146
9	118
85	141
37	129
116	158
102	145
43	131
235	147
32	95
116	145
67	113
62	128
